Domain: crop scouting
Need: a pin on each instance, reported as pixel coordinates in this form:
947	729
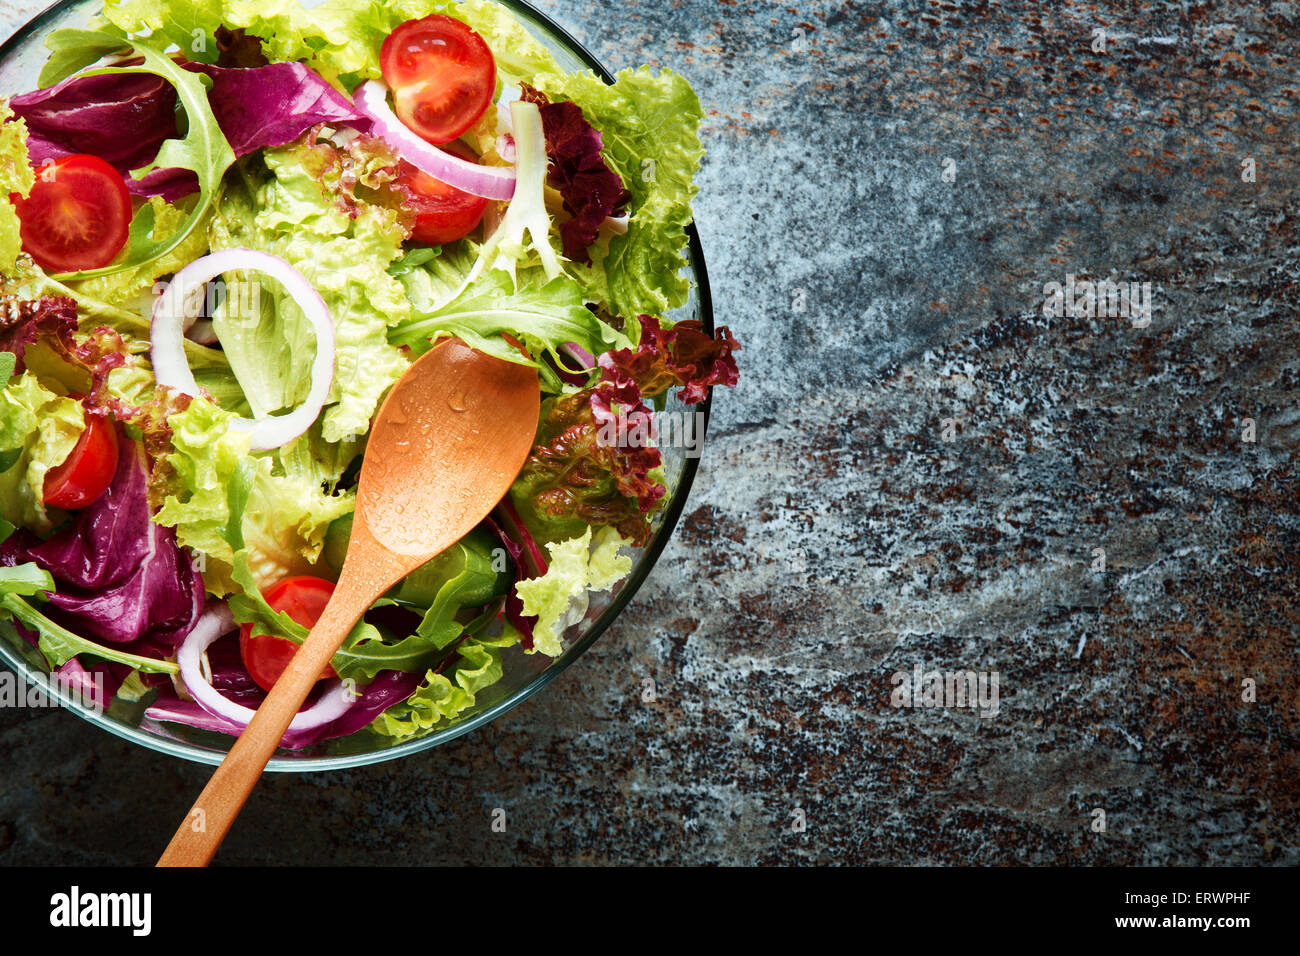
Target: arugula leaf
75	50
25	580
463	576
57	643
542	314
363	654
204	148
132	290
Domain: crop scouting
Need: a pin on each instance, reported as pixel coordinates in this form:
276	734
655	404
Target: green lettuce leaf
559	598
15	177
283	515
443	695
203	149
190	24
343	248
649	123
58	644
42	428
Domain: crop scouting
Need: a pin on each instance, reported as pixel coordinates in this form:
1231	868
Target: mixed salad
230	227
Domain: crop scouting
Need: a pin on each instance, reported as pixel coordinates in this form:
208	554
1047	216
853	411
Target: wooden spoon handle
209	820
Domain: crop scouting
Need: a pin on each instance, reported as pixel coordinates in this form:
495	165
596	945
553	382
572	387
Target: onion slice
580	355
202	332
337	699
179	304
490	182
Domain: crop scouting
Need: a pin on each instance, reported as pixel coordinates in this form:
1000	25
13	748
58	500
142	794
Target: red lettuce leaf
121	118
118	576
593	464
23	322
669	356
591	190
229	676
125	118
272	105
527	560
95	686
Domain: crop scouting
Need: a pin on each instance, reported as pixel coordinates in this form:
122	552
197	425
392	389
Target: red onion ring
171	368
216	621
490	182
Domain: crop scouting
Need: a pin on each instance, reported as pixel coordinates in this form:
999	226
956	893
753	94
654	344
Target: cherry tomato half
303	599
442	76
86	473
442	213
77	215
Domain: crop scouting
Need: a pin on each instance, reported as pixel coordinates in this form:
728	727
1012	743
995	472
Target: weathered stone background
834	538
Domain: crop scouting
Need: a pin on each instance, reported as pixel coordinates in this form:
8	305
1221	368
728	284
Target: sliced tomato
442	76
442	213
86	473
303	598
77	215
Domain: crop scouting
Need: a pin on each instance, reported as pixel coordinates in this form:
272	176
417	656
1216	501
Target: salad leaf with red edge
670	356
592	191
594	464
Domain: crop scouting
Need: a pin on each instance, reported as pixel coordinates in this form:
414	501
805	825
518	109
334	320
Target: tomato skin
265	657
86	473
442	76
442	213
77	215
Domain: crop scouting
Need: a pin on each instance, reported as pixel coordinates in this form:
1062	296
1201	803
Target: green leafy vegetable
527	224
210	479
58	644
541	314
203	149
132	289
339	38
305	214
442	697
42	428
16	176
559	597
463	576
650	127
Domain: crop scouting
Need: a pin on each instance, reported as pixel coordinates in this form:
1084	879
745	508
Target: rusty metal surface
889	300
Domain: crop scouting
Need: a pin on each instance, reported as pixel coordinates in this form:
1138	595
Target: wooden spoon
449	441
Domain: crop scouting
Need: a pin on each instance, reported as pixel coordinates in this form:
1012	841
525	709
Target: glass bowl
21	58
